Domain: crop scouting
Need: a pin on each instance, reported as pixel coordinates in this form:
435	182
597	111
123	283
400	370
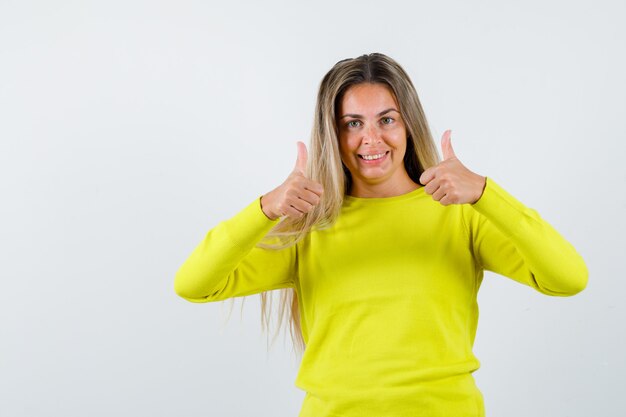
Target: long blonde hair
325	165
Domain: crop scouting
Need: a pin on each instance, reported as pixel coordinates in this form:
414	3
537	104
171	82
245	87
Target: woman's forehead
367	99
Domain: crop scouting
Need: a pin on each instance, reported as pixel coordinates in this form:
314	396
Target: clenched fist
297	195
450	182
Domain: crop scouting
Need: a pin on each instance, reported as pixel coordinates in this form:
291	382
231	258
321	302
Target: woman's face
372	139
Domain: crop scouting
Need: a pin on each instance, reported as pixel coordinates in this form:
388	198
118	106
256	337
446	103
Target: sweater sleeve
227	263
513	240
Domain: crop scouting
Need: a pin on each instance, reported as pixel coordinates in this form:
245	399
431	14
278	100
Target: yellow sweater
387	295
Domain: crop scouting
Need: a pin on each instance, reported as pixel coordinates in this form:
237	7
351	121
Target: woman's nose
371	135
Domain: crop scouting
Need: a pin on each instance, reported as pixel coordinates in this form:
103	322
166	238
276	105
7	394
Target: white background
128	129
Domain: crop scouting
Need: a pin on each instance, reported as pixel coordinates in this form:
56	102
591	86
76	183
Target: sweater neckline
382	200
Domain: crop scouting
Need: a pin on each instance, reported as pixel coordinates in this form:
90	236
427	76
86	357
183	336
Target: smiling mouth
373	157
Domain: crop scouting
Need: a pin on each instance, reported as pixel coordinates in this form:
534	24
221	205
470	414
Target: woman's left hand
450	182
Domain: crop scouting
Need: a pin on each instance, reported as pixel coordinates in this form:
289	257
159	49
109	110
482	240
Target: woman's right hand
296	196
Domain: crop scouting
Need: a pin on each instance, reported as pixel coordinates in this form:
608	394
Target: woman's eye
390	120
350	123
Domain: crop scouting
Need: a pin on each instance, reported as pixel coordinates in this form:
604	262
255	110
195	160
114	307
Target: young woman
379	248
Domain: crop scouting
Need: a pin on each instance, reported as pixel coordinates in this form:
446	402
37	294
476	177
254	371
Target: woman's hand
297	195
450	182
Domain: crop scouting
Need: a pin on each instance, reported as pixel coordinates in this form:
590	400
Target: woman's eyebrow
379	114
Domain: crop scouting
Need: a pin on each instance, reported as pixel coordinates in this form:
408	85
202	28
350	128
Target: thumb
446	145
302	158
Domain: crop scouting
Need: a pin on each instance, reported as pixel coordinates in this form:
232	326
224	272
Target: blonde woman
379	249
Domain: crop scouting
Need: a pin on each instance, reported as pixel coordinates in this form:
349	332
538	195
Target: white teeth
371	157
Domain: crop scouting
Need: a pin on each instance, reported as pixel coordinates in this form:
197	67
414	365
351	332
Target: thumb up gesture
297	195
450	182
